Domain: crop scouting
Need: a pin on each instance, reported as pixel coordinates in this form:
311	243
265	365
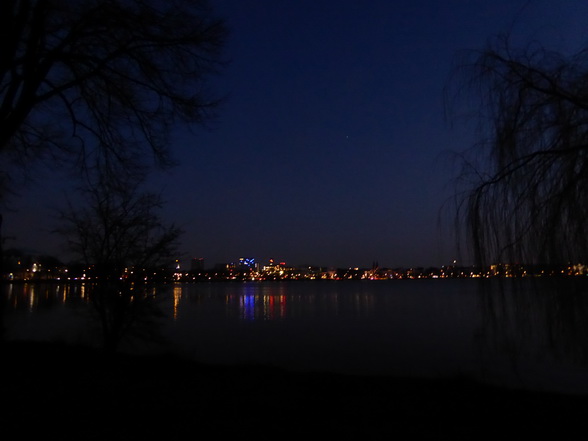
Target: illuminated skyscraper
246	263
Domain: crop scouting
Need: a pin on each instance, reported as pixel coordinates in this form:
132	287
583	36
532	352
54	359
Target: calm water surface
520	334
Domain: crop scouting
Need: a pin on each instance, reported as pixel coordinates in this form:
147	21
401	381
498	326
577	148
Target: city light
249	269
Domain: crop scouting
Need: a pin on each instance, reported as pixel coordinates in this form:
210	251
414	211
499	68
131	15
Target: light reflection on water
530	337
349	326
32	296
261	307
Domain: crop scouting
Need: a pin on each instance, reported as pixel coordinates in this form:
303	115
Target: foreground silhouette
75	393
523	195
120	239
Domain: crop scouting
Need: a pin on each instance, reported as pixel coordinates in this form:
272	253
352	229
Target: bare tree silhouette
104	79
120	236
526	182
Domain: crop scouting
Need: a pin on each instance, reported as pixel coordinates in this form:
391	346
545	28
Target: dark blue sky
332	147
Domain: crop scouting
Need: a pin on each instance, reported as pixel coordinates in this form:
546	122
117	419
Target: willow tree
103	80
526	194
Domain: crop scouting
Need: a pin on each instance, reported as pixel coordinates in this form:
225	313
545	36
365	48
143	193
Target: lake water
516	333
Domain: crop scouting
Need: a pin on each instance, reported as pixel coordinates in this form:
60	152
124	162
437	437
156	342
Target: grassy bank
61	392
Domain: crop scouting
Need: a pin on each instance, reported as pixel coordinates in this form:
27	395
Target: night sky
332	147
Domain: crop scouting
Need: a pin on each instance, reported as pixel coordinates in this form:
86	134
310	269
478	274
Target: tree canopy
526	193
101	81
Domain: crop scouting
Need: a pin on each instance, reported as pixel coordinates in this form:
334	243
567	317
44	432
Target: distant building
247	263
197	264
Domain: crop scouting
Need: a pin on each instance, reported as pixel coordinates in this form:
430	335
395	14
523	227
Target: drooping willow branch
526	198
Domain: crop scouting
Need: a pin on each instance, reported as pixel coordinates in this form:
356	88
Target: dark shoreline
65	392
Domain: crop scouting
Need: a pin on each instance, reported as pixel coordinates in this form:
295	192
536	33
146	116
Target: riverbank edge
68	391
